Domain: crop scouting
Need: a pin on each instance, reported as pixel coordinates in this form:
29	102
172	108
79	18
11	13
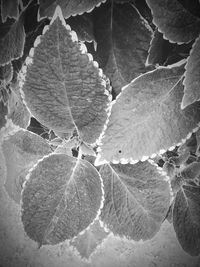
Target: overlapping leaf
64	89
123	39
192	79
88	242
21	151
147	118
9	8
6	73
137	199
12	44
60	199
186	218
69	7
174	21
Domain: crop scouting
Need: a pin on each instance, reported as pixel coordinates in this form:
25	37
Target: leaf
123	39
69	7
191	171
64	77
147	119
186	218
87	243
192	80
174	21
3	113
6	73
21	151
9	8
137	198
61	198
12	44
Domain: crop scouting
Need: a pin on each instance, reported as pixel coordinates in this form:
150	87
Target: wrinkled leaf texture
137	199
174	21
61	198
123	38
147	118
64	88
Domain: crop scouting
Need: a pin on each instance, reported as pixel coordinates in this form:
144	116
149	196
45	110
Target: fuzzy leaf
9	8
186	218
61	198
137	199
123	39
174	21
69	7
88	242
21	151
12	44
146	118
192	79
64	89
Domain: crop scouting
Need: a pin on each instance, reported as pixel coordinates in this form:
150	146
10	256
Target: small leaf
174	21
192	79
69	7
186	218
147	119
64	89
123	38
191	171
9	8
87	243
137	199
61	198
21	151
6	73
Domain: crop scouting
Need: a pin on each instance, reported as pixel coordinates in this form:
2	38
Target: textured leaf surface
192	78
191	171
61	198
147	117
69	7
186	218
9	8
21	151
12	44
123	39
174	21
64	89
137	199
88	242
6	73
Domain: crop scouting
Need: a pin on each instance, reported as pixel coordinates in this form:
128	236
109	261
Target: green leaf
186	218
174	21
61	198
69	7
9	8
123	39
21	149
64	88
192	79
137	198
87	243
12	43
146	118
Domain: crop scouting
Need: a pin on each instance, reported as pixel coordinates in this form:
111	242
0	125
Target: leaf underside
137	199
60	199
147	118
64	89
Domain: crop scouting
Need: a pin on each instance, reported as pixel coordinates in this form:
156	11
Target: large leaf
192	79
137	198
9	8
69	7
186	218
12	44
61	198
87	243
21	151
123	39
147	118
174	21
64	89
